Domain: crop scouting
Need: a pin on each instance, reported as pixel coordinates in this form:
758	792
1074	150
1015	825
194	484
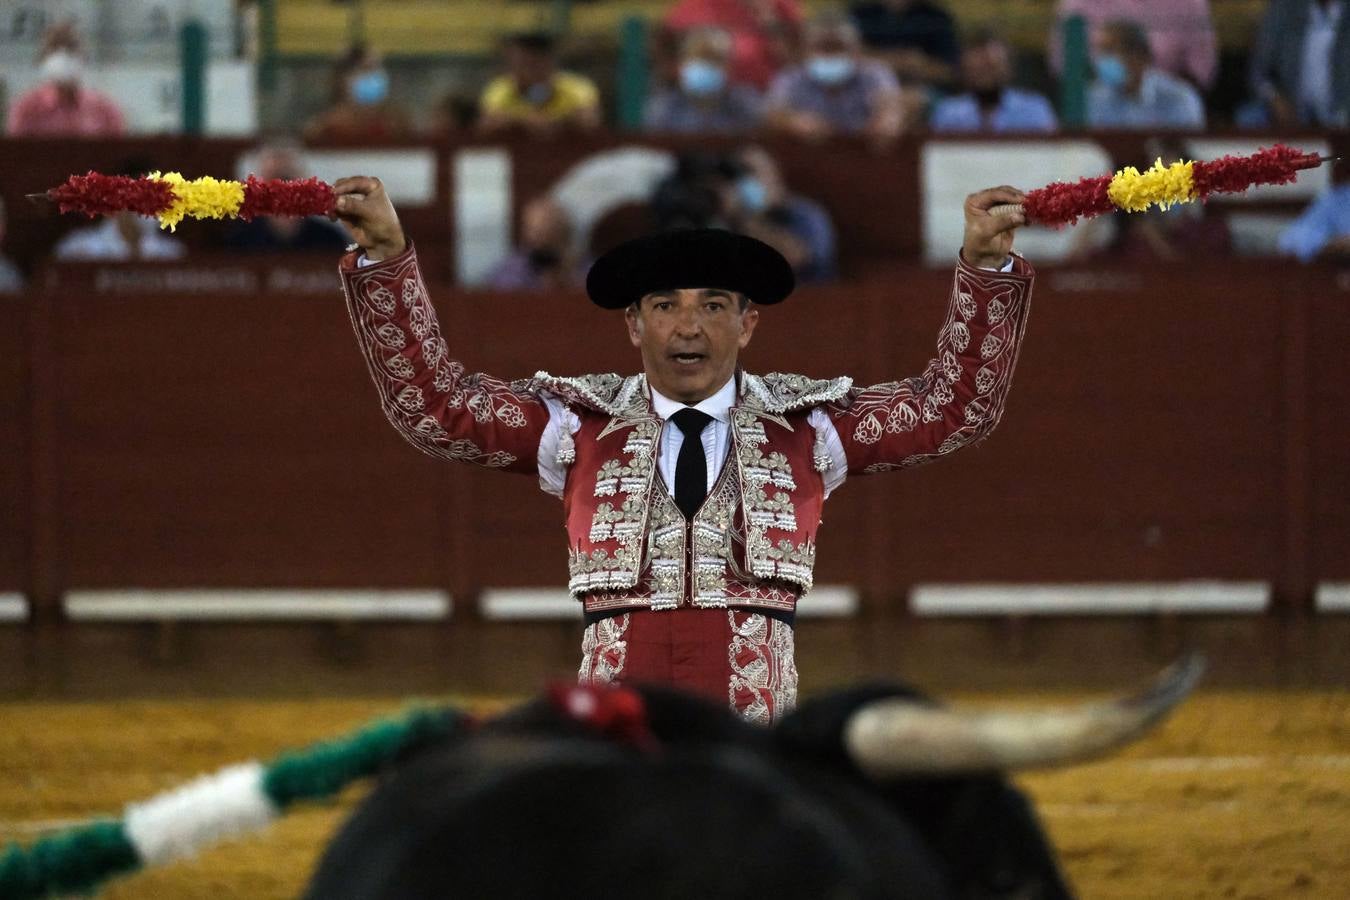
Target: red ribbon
615	712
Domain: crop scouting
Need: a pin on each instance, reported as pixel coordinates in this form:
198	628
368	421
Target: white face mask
62	67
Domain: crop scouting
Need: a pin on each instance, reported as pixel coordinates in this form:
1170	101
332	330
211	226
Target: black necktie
691	466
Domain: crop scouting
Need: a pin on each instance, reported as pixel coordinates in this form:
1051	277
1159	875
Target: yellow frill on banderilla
201	198
1164	186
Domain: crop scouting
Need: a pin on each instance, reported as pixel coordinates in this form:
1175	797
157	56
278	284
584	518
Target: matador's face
690	339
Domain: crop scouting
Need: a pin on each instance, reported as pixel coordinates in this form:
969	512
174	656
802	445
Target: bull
870	793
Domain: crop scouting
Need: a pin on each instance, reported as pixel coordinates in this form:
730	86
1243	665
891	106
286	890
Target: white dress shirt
716	438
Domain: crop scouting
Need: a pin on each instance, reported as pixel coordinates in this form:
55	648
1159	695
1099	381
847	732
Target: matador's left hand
989	238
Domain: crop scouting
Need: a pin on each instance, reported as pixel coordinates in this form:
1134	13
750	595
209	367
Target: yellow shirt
571	93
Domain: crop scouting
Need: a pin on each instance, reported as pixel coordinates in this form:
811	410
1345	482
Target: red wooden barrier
1163	425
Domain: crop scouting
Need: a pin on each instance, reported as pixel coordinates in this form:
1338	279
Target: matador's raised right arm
429	398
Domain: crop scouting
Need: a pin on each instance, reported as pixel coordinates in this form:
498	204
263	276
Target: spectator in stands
763	33
361	108
533	96
762	207
62	106
1299	68
697	194
1322	232
123	237
1130	92
281	234
916	37
11	279
705	101
990	102
547	258
1180	33
837	90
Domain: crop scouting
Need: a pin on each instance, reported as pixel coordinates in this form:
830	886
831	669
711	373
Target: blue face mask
701	78
752	193
830	70
1110	70
370	88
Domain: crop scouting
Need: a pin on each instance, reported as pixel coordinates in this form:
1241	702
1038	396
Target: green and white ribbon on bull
233	802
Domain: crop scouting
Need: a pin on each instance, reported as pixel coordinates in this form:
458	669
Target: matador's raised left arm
961	394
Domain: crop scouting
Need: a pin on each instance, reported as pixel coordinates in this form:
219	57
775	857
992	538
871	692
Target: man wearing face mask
361	106
62	106
763	33
763	208
837	90
1130	92
533	96
704	101
991	103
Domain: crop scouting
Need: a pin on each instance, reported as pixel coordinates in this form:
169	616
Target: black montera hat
692	258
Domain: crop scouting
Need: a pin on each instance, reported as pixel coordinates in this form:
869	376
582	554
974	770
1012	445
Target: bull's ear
897	737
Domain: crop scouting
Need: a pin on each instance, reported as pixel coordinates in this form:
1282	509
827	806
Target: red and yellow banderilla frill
171	198
1130	190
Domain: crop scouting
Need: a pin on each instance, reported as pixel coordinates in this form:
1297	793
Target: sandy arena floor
1242	795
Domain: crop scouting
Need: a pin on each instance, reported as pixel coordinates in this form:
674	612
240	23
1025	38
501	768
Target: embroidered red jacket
752	543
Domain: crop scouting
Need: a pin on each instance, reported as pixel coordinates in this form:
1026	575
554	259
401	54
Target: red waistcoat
751	544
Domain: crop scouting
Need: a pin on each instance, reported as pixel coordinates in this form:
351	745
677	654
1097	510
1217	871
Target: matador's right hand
364	209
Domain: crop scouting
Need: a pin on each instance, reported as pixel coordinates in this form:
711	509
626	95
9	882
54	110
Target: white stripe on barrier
13	608
513	604
1333	596
829	601
1090	599
234	605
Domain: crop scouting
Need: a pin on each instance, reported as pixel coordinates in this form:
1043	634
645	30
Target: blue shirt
848	106
1325	219
810	223
1162	102
1017	110
735	109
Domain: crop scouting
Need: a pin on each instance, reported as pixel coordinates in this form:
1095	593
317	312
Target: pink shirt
755	36
42	113
1180	32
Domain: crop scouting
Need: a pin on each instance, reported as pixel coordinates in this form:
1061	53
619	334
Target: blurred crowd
877	69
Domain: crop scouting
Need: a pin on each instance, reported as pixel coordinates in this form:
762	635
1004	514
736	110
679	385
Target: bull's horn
895	738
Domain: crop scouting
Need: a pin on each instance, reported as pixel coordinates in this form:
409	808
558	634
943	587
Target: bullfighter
692	492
